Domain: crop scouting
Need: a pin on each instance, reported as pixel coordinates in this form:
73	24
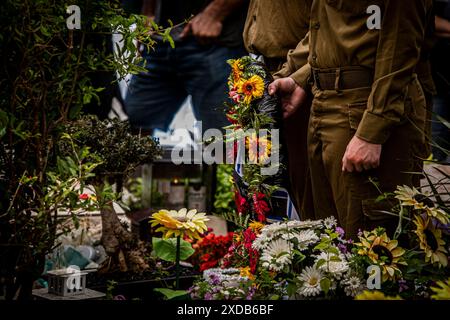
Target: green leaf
333	250
166	249
335	259
321	246
320	263
171	294
325	285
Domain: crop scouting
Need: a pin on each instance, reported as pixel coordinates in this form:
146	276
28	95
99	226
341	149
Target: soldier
368	115
272	29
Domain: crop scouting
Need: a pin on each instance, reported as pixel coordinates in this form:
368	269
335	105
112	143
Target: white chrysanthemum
309	224
261	242
310	279
335	268
330	222
277	255
353	285
305	238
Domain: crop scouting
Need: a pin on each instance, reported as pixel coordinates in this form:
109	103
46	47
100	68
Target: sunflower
407	196
441	290
252	88
236	70
180	223
438	214
382	251
258	148
431	242
419	201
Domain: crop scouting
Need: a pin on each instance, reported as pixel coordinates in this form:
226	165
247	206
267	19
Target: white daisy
353	285
277	255
330	222
331	265
310	279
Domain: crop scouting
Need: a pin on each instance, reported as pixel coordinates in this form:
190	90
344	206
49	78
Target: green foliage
224	197
170	294
110	286
45	77
239	220
111	142
166	249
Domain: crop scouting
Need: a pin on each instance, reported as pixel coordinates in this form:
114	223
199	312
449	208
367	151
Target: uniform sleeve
297	66
401	38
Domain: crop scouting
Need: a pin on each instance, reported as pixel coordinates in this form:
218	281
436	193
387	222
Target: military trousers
295	129
352	196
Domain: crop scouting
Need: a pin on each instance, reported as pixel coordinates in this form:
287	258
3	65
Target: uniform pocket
355	114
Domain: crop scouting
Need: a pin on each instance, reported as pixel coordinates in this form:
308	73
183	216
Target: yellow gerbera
375	295
258	148
431	242
180	223
252	88
382	251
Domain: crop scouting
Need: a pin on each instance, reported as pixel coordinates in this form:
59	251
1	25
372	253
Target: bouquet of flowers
255	118
416	259
308	258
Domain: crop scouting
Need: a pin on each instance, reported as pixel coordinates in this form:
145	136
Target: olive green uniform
364	84
272	29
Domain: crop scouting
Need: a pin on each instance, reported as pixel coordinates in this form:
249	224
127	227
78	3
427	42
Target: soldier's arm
401	37
297	66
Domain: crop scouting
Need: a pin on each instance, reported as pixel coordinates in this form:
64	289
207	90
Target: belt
342	78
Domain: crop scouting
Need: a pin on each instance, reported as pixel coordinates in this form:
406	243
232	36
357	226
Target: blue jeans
440	132
172	75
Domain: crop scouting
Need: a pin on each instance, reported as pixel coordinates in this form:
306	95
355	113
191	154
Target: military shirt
273	27
340	36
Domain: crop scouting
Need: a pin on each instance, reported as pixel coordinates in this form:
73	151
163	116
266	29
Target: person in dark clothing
195	66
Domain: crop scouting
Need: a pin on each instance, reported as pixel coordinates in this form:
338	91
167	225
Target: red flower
249	237
210	250
232	116
241	202
84	196
260	205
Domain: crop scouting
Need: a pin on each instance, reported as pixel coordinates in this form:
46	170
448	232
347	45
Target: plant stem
177	264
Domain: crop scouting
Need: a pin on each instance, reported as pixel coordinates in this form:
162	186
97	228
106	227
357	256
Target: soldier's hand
361	155
291	94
